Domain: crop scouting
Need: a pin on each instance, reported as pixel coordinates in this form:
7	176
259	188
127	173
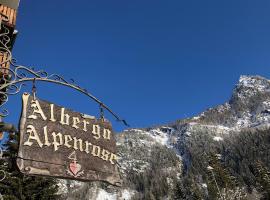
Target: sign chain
101	112
34	88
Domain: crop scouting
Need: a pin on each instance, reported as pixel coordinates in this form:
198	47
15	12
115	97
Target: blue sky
152	62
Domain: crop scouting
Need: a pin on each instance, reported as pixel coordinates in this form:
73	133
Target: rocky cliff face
222	153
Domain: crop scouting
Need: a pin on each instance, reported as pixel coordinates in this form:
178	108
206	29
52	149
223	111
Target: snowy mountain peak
256	82
159	157
250	86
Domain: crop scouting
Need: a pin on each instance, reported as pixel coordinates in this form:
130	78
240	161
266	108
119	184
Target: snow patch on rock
244	121
159	136
204	185
223	108
104	195
249	86
126	194
255	82
216	138
266	104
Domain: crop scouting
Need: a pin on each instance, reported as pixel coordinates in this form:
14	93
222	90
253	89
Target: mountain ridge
172	161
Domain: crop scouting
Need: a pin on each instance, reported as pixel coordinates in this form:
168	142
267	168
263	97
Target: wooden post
8	15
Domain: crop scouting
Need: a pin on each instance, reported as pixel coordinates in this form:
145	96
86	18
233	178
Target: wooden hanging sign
58	142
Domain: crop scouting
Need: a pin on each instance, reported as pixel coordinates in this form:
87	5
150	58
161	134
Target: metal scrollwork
15	76
18	75
4	40
1	153
3	175
2	172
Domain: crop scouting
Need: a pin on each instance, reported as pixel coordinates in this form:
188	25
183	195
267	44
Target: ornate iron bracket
2	172
14	79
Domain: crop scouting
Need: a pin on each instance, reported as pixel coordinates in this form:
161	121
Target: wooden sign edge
29	170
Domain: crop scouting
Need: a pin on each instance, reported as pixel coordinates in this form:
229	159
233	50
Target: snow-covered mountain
172	161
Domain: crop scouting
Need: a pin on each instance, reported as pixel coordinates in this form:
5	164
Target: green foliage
213	116
17	186
153	183
218	178
222	175
262	174
235	174
188	188
243	151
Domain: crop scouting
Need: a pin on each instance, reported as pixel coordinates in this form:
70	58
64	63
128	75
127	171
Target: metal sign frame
13	76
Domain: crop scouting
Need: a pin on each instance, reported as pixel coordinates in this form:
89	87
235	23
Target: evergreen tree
179	191
188	188
218	178
263	179
17	186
